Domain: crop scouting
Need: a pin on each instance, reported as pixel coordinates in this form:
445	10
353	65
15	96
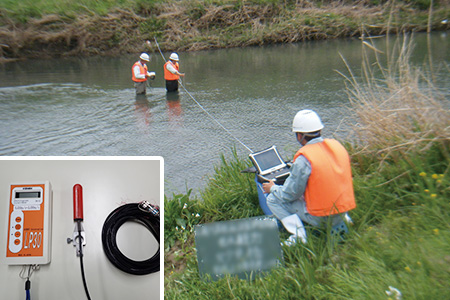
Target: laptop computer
269	165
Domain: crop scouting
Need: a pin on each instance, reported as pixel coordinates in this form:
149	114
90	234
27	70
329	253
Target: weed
151	26
181	214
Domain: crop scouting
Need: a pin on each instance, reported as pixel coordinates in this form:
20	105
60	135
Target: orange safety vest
169	75
330	187
143	70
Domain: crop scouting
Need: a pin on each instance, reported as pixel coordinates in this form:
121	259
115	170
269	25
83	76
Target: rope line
214	119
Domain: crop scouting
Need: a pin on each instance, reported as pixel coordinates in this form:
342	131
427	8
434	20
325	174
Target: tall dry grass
200	25
397	106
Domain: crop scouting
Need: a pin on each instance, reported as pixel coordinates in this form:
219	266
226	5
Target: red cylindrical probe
77	202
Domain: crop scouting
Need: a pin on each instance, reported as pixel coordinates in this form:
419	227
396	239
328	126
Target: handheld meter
29	224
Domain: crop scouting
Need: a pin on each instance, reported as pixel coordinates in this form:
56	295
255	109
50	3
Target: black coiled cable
143	213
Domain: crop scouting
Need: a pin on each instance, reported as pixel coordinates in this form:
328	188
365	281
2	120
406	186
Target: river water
246	98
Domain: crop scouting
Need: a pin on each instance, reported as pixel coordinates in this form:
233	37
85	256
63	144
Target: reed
397	107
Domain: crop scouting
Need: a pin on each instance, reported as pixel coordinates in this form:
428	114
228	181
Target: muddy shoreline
186	29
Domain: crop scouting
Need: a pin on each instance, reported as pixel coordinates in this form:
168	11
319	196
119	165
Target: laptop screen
268	160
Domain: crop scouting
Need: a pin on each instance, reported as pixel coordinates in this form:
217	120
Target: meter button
15	241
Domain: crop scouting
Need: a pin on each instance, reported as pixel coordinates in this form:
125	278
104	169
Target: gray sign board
243	247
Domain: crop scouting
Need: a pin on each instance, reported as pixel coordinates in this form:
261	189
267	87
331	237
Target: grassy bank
400	237
90	27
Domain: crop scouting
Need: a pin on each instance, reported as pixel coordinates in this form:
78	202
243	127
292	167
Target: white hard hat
306	121
173	56
144	56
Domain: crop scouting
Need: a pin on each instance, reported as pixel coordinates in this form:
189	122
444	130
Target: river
244	98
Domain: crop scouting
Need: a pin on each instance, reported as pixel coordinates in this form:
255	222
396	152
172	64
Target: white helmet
306	121
173	56
144	56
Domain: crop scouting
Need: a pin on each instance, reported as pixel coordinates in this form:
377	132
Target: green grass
401	238
236	200
23	10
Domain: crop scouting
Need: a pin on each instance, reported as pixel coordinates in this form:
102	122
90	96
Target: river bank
400	173
197	25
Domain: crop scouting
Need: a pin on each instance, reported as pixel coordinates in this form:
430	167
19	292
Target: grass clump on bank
90	27
400	239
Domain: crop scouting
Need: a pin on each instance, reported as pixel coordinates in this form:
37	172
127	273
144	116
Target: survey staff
319	190
172	73
140	74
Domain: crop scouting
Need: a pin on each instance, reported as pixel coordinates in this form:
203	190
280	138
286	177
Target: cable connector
27	285
148	207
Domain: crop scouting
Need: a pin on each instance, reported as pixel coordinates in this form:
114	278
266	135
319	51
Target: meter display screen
28	194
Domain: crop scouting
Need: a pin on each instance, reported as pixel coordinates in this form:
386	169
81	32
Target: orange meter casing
29	224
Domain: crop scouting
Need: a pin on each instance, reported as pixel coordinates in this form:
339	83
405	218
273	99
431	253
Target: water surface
87	106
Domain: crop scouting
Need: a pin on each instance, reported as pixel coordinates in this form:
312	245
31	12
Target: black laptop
270	166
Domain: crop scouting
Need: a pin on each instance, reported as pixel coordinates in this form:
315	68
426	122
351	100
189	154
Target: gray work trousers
298	207
140	87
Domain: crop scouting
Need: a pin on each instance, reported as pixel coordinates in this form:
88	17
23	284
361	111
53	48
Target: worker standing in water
140	74
172	73
319	190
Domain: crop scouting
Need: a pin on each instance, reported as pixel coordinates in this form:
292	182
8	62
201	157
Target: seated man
319	189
